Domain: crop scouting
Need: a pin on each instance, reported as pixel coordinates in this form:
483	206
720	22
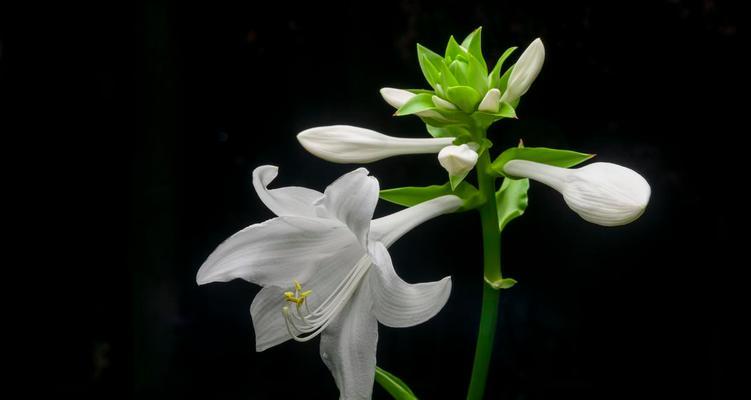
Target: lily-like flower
458	160
325	271
351	144
601	193
525	71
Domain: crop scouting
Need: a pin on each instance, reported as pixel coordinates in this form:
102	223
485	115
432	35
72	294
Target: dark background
131	130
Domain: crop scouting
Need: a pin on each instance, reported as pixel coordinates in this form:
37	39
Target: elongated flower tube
351	144
325	271
601	193
525	71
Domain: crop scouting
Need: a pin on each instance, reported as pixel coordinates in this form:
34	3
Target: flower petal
348	347
277	251
399	304
391	227
268	321
351	199
290	200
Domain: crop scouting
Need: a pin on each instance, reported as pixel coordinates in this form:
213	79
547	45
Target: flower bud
350	144
457	160
601	193
491	102
398	97
525	71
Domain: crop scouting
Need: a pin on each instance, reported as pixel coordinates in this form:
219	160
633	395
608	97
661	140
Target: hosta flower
325	271
525	71
350	144
601	193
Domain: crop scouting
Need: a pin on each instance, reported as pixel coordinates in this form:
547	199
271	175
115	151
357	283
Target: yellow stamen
297	296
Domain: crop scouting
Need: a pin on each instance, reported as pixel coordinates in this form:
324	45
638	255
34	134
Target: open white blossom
601	193
325	271
525	71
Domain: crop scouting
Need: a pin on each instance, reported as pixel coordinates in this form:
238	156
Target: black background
131	130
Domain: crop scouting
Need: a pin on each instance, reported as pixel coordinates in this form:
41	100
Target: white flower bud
350	144
525	71
398	97
491	102
457	160
602	193
441	103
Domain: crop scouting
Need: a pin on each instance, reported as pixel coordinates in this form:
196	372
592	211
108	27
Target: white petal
351	199
351	144
491	101
276	251
399	304
348	347
290	200
396	97
390	228
268	322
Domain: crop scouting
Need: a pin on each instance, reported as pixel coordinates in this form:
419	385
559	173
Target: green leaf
429	62
465	97
506	111
420	102
453	50
544	155
495	74
473	44
503	82
457	131
456	180
447	78
476	74
511	200
459	69
412	195
393	385
504	283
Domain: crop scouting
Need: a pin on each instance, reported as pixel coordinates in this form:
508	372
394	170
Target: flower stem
491	244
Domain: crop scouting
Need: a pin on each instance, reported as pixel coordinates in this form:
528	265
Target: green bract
413	195
460	81
544	155
395	386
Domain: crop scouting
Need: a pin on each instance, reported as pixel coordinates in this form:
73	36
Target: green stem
491	244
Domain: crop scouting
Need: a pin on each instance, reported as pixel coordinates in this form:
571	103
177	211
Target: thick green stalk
491	244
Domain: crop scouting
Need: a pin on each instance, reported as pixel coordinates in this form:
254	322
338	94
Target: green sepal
393	385
429	62
495	74
420	102
511	200
473	44
504	283
465	97
409	196
544	155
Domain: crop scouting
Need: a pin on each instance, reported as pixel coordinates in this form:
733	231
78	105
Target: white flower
457	160
601	193
525	71
350	144
325	270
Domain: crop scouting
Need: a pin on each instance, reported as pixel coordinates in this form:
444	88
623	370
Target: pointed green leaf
459	69
465	97
511	200
447	79
473	44
453	50
495	74
429	62
457	131
420	102
456	180
476	74
544	155
393	385
411	195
